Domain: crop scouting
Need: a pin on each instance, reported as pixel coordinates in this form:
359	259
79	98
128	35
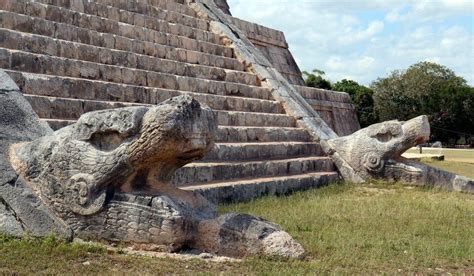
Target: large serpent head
107	178
376	151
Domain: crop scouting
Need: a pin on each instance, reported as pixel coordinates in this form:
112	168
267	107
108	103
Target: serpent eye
384	137
388	133
106	141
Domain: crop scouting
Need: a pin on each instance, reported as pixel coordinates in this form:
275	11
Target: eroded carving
375	152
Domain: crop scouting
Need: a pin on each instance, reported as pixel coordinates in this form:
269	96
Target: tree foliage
453	119
316	79
431	89
362	98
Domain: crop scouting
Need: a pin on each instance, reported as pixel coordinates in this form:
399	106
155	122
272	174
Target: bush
316	80
362	97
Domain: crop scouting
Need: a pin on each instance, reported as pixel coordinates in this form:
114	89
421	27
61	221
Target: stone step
105	21
255	98
48	65
248	189
151	17
234	134
262	151
206	172
54	86
142	6
120	32
262	134
32	25
128	12
43	45
178	6
71	109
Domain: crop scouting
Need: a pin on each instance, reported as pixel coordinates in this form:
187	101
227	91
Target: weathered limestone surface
233	232
222	4
20	211
273	45
107	177
9	225
335	108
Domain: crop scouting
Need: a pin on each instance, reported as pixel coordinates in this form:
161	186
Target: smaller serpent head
369	150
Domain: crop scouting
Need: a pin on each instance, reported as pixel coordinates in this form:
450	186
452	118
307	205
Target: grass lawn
452	155
375	228
460	161
466	169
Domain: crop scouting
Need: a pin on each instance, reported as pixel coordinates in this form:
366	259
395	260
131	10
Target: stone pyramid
74	56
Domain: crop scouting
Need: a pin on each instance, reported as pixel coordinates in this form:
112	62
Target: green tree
431	89
453	118
362	98
316	79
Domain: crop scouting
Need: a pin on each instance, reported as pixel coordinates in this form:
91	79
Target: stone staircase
74	56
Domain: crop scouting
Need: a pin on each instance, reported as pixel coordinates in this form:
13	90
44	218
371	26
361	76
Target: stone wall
222	4
335	108
273	45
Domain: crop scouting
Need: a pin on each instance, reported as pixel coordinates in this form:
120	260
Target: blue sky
366	39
